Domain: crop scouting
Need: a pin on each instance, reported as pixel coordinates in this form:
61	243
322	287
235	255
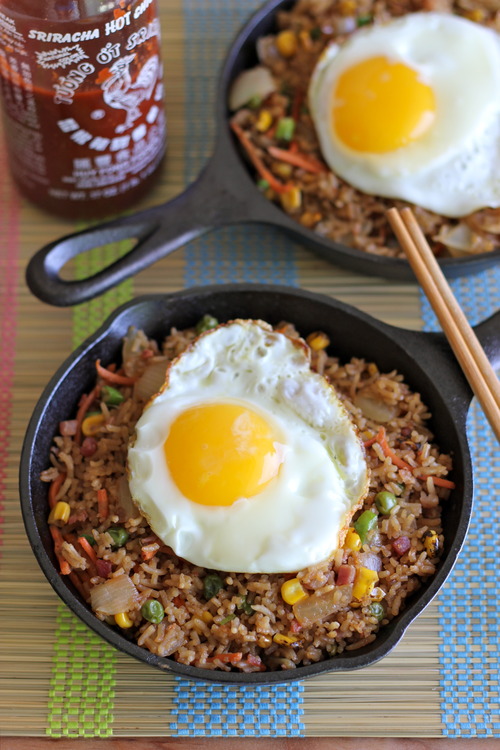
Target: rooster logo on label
120	92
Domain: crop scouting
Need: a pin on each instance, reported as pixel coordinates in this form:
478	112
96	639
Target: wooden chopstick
466	347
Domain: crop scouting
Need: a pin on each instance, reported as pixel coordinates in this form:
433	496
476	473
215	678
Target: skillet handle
206	204
488	333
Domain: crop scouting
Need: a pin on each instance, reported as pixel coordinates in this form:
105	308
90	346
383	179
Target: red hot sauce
83	102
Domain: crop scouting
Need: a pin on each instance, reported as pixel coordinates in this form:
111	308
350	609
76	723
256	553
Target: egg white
301	516
454	167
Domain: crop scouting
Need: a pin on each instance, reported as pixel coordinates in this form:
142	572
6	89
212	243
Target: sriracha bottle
81	83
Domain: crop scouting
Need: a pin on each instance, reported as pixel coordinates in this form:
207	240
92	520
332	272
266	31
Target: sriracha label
83	106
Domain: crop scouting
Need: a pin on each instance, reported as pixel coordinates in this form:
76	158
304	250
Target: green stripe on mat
82	686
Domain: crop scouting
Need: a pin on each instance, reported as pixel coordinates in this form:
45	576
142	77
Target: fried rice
222	620
320	200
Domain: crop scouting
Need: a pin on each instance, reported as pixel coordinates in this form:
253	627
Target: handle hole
89	262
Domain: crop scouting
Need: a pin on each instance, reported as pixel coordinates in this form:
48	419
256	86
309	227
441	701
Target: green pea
119	535
365	523
111	396
263	184
212	584
206	323
363	20
377	610
90	539
285	129
153	611
385	502
315	33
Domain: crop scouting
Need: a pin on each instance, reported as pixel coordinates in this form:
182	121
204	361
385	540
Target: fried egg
410	110
246	460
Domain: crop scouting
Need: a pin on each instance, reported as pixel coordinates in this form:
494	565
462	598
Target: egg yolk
380	105
219	453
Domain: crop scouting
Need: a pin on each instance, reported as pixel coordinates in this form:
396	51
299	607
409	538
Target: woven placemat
57	678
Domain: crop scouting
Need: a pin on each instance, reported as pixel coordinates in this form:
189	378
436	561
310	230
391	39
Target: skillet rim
359	261
390	634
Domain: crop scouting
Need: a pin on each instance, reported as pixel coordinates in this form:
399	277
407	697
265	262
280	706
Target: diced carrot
86	402
54	488
227	658
297	159
102	503
64	565
113	377
178	601
259	165
87	548
149	551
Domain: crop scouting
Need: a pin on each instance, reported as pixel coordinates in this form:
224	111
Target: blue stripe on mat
252	254
469	606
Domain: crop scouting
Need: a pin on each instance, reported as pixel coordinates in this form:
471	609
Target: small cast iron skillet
424	359
224	194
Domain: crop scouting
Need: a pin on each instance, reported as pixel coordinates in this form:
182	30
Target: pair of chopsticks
461	337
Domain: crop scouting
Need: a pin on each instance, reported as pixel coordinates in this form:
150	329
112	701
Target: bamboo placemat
56	677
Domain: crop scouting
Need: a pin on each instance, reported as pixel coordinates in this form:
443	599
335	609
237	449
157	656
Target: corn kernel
305	39
282	170
477	15
284	640
377	594
207	617
309	219
292	591
92	424
364	583
352	540
431	543
372	369
60	512
123	620
292	200
264	121
347	7
286	42
318	341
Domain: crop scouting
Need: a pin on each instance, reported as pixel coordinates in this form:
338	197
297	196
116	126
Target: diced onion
125	499
151	380
316	608
370	560
460	240
114	596
256	82
375	408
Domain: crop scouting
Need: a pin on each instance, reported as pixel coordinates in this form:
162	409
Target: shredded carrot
102	503
87	548
441	482
376	439
54	488
85	404
75	580
231	658
298	159
64	565
113	377
390	454
259	165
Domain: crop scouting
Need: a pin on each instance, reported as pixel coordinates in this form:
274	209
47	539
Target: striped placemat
57	678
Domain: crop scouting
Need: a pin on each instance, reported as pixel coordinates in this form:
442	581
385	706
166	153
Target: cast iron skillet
424	358
224	194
